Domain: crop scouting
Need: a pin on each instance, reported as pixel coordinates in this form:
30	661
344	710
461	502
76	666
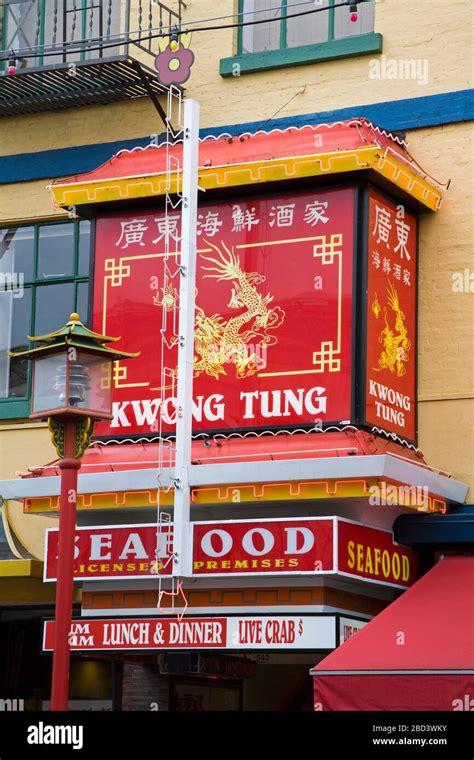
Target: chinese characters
134	233
381	258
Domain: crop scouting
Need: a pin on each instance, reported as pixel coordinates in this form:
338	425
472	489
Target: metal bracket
154	99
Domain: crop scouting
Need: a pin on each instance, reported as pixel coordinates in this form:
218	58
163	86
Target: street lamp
72	387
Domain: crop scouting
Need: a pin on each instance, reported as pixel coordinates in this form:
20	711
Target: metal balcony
71	53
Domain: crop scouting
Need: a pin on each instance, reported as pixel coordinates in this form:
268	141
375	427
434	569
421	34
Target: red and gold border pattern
385	164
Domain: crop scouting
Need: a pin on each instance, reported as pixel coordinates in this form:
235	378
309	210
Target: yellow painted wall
24	201
434	31
446	318
22	447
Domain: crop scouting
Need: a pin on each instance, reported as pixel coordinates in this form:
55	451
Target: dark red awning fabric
377	693
418	654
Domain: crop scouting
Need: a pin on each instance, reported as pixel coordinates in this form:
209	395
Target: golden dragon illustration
239	340
395	341
235	340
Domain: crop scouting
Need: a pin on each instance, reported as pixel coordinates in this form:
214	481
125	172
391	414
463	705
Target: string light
11	70
87	47
174	38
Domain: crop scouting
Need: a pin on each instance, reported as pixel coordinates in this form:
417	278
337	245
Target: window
283	41
33	23
44	273
329	24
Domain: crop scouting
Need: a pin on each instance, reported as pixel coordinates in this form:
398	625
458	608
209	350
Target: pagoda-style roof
349	148
73	333
73	327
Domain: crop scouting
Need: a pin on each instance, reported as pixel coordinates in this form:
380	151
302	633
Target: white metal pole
187	288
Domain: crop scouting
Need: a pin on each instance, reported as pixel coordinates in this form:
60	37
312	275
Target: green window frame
284	25
330	49
18	408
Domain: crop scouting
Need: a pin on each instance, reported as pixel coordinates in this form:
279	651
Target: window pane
344	27
84	248
15	315
56	251
17	246
82	303
20	25
261	36
307	30
54	304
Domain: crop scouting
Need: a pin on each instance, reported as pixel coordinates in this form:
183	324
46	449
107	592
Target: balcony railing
79	52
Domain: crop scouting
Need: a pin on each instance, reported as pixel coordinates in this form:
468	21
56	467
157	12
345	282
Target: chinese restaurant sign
390	390
111	551
263	547
372	554
310	546
273	326
294	632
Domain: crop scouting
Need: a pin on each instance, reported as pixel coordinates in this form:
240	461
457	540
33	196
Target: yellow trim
98	501
226	494
387	164
19	591
7	529
295	491
21	568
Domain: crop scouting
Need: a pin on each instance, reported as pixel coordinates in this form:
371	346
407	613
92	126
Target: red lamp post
72	387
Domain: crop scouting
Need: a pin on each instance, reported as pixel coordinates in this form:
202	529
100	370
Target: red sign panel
244	547
372	554
390	392
273	319
112	551
266	546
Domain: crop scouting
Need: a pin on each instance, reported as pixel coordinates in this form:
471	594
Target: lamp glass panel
90	383
49	383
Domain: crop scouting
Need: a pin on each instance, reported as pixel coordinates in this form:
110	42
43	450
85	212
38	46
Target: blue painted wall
399	115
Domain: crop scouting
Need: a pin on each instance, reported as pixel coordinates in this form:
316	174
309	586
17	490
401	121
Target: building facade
269	93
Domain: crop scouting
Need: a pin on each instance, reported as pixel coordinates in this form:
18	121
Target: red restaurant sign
273	327
311	546
390	390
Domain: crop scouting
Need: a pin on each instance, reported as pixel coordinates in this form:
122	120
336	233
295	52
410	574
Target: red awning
225	161
226	150
220	449
418	654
